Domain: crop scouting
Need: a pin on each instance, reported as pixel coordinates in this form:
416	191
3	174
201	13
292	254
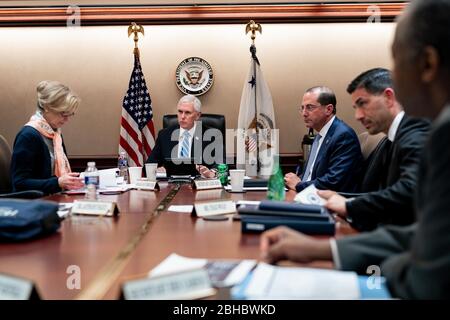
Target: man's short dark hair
374	81
326	96
430	26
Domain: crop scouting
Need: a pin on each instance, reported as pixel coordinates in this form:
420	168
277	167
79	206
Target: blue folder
291	207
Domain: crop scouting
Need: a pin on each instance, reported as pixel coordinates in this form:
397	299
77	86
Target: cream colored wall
97	61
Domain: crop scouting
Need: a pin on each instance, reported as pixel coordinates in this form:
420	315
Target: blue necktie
185	145
312	156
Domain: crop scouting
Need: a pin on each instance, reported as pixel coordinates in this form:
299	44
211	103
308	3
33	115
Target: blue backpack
26	219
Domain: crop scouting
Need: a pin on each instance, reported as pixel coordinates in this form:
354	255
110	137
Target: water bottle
275	186
122	164
92	181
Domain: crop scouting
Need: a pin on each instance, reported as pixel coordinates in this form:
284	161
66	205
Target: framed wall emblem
194	76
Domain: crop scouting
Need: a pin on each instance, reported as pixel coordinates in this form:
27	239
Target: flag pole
253	27
135	29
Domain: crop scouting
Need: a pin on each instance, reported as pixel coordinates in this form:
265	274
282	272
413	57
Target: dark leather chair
373	167
216	121
211	120
5	179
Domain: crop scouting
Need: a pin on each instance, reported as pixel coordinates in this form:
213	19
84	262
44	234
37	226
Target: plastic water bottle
122	164
92	181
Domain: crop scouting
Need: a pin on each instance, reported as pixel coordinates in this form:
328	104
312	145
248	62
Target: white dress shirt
394	126
181	137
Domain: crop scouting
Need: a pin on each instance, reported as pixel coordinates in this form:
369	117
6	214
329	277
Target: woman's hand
70	181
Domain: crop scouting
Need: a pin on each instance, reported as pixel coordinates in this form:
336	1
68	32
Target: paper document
228	188
64	209
176	263
182	209
309	196
272	282
247	202
108	177
223	273
117	189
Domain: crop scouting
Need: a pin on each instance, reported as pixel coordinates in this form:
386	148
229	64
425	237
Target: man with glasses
335	156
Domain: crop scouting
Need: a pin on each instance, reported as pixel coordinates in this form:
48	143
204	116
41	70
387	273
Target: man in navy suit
188	139
335	156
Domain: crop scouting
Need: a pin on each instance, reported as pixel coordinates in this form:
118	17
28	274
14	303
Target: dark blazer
338	161
166	146
392	203
31	163
414	259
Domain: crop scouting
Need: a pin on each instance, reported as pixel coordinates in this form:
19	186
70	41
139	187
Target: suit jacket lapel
392	157
324	146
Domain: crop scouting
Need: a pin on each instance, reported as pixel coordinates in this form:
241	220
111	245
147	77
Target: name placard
96	208
192	284
207	184
13	288
145	184
212	208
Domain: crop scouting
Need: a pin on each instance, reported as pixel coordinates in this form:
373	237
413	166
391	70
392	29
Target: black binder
258	224
285	209
252	211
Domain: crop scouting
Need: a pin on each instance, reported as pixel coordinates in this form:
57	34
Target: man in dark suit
189	139
378	110
414	259
335	156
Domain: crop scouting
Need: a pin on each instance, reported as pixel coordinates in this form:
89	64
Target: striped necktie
185	145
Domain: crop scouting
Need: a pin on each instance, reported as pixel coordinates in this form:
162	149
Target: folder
285	209
291	206
254	211
251	183
258	224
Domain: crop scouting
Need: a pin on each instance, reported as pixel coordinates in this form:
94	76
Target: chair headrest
211	120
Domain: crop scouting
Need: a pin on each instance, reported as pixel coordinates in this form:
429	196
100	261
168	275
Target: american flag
137	132
250	143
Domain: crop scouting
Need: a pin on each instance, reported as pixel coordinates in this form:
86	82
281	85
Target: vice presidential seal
194	76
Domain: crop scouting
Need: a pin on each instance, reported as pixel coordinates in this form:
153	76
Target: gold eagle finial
135	29
252	27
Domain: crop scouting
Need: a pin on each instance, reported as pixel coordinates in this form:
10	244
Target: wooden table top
95	244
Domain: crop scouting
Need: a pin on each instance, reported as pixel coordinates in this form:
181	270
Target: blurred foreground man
415	259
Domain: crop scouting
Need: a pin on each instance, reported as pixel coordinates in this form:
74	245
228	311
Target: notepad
273	282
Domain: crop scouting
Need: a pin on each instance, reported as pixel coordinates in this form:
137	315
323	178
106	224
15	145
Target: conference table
104	252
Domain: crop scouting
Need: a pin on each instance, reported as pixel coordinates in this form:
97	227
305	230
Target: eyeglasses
309	107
